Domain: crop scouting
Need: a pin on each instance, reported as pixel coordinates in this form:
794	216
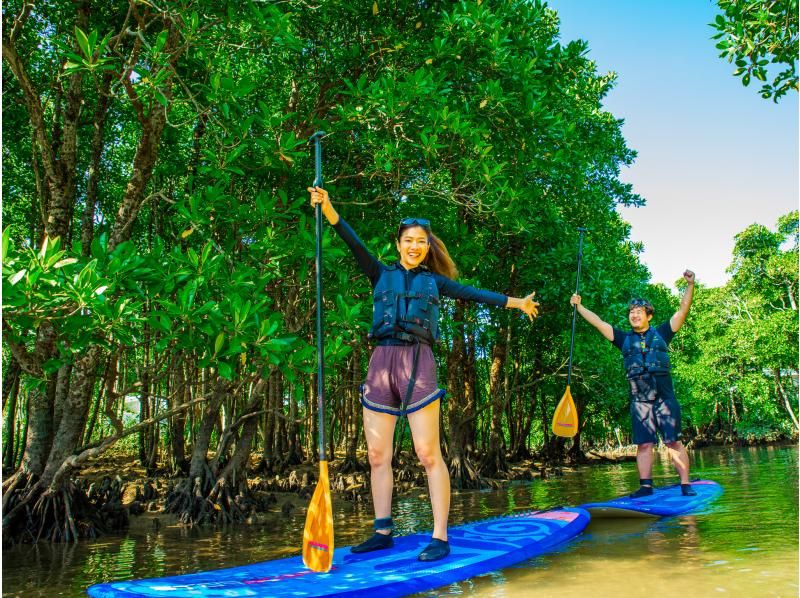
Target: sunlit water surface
746	544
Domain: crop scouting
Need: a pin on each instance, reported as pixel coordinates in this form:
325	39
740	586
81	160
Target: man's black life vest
645	354
405	314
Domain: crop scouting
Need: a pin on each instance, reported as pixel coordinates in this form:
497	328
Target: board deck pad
664	502
476	548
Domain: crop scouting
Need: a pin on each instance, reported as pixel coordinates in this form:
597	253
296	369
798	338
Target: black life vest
645	354
405	314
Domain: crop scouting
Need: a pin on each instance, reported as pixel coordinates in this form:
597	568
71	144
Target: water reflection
745	545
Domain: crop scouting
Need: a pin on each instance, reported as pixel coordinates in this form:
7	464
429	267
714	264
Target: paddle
565	418
318	533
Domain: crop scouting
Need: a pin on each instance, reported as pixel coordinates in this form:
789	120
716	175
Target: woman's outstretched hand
530	307
526	304
319	196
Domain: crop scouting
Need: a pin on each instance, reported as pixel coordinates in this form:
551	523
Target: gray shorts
654	410
387	379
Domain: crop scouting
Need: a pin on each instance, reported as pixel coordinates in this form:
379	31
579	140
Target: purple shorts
387	379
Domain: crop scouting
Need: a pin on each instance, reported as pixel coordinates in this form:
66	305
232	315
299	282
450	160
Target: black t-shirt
662	382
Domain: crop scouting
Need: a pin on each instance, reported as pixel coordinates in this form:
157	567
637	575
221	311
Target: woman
402	372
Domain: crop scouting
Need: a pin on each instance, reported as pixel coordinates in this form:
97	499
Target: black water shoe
687	490
642	492
437	549
376	542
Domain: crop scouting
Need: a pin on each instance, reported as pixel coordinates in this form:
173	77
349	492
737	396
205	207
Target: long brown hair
438	259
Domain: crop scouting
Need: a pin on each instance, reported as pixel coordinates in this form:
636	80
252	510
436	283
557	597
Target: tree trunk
189	499
63	379
109	379
781	393
22	437
144	415
10	379
522	419
40	430
99	121
10	396
471	394
352	417
294	450
277	421
463	473
268	458
177	423
494	462
73	416
230	493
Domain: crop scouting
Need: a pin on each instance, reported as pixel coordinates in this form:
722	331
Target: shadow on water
746	544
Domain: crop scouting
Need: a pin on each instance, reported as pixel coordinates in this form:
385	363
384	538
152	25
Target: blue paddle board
664	502
476	548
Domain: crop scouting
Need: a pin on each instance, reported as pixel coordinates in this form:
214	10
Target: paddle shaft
317	139
575	307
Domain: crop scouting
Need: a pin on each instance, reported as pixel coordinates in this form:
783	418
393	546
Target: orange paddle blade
565	419
318	533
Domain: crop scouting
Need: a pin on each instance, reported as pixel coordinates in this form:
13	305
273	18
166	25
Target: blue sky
714	157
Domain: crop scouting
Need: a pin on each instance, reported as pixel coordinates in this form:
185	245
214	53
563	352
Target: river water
746	544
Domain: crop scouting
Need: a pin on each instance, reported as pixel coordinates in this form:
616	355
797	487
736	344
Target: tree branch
98	448
28	361
20	20
35	111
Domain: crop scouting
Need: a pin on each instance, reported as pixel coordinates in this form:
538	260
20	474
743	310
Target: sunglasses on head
633	303
423	222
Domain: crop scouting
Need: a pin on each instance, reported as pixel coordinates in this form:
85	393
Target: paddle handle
581	232
316	139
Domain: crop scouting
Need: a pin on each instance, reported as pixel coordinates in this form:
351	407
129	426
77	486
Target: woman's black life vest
645	354
408	314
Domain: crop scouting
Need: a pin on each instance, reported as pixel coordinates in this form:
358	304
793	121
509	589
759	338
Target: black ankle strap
384	523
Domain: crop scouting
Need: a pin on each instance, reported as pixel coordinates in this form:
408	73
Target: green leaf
99	246
206	252
6	241
161	40
43	249
17	277
53	258
65	262
225	370
245	311
219	342
191	255
83	42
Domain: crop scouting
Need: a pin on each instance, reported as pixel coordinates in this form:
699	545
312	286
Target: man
653	404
